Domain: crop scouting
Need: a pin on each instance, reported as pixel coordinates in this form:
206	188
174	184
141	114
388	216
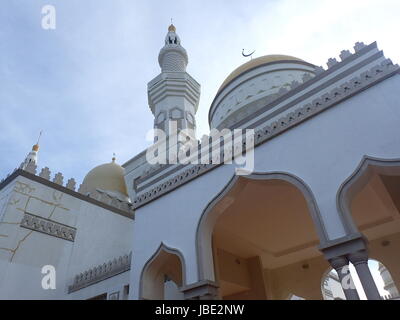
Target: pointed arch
157	264
207	222
357	180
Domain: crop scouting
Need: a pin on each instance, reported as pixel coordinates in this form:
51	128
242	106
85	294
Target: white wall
101	235
322	151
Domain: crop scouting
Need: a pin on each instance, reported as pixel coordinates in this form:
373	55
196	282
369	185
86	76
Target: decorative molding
47	226
344	91
181	83
101	272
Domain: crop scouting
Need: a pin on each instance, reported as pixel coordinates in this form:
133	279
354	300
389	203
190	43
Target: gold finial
113	158
171	28
36	146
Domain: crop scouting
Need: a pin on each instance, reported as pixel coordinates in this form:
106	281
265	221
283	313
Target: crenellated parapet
101	272
70	185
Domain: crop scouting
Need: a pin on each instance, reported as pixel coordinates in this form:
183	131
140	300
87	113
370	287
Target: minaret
32	156
173	94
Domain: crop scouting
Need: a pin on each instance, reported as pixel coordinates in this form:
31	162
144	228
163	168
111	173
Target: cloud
85	84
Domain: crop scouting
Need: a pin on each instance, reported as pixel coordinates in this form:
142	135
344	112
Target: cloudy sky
84	83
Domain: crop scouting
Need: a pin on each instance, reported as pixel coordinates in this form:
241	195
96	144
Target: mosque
324	194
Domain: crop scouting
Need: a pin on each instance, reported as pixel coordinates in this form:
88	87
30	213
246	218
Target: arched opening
332	289
371	199
258	240
163	276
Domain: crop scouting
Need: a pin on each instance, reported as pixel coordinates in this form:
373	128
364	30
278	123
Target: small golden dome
255	63
35	147
107	177
171	28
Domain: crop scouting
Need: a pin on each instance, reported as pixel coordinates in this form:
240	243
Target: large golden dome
107	177
253	85
255	63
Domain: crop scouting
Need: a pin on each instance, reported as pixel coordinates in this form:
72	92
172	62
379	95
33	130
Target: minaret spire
32	156
173	95
40	135
173	57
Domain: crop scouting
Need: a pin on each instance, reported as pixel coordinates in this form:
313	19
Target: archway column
341	265
337	253
360	261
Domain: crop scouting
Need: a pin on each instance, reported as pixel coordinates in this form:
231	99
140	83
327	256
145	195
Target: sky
85	83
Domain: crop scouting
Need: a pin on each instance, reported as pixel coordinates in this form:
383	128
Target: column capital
338	263
358	257
343	246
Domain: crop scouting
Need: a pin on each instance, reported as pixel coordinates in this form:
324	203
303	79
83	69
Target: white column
341	265
360	261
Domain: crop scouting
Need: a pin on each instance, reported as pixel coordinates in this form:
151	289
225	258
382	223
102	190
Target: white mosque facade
324	192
